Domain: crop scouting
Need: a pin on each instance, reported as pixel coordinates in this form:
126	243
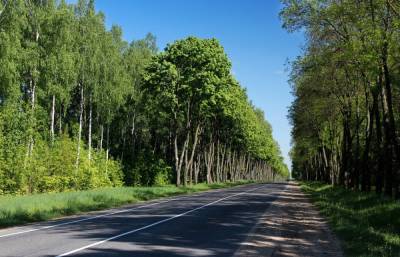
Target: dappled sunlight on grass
367	224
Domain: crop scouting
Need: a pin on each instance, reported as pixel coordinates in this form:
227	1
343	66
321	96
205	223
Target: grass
365	223
17	210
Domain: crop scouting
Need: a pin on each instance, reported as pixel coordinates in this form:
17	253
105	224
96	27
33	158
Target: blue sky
249	30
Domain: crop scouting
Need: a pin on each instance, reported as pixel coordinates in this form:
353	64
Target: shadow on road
217	230
277	220
291	227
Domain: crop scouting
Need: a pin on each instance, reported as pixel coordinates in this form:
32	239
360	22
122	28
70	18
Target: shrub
163	173
52	168
149	171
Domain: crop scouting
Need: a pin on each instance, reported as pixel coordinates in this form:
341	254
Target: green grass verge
17	210
366	224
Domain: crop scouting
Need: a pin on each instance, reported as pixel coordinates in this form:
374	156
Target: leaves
82	108
345	123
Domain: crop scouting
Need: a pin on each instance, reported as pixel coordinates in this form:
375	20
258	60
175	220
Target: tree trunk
101	137
222	166
388	149
365	170
186	167
60	120
197	164
78	151
107	146
189	162
179	159
356	176
32	117
52	116
208	158
391	128
90	130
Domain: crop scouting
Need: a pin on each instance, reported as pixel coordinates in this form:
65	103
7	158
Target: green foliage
162	173
191	88
149	171
80	108
52	169
346	87
247	127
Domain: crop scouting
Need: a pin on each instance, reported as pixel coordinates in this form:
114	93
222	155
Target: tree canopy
345	114
81	108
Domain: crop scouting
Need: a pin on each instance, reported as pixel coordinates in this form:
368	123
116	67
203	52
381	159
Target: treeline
346	111
81	108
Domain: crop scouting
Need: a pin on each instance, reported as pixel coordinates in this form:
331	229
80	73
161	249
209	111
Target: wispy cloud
279	72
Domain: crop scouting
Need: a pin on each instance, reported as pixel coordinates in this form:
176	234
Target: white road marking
85	219
100	216
154	224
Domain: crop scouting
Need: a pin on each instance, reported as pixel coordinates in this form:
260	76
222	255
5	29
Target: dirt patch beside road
291	227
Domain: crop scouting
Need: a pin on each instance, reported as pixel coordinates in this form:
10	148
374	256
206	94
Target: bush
149	171
52	168
163	173
54	183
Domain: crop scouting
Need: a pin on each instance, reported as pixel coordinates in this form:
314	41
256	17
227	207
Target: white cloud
279	72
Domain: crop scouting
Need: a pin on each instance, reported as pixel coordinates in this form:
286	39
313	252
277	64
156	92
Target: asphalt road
213	223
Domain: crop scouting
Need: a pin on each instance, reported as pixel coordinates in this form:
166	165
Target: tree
345	83
81	108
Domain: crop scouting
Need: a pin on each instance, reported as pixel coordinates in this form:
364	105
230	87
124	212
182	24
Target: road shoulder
292	226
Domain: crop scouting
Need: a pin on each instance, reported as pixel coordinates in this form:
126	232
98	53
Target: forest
82	108
346	112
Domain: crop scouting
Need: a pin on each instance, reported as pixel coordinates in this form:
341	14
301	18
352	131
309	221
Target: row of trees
206	120
82	108
346	111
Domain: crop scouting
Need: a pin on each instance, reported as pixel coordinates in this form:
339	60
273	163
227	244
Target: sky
249	30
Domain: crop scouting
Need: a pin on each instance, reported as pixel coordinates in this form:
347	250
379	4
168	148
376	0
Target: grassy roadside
17	210
366	224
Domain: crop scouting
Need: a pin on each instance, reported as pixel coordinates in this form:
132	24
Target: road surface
249	220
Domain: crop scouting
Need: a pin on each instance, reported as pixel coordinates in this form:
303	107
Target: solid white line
99	216
153	224
85	219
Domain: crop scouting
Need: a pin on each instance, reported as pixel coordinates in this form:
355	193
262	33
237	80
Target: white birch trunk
101	136
53	112
78	151
90	130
